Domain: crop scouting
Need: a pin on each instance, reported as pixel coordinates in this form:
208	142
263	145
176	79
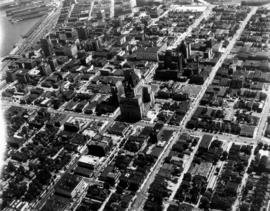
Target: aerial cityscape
130	105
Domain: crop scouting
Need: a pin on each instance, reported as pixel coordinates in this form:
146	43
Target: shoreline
11	44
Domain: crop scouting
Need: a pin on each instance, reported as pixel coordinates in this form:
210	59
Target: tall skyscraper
46	47
131	104
137	97
82	33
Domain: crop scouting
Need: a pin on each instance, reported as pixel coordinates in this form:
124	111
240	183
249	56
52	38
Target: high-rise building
136	98
130	83
167	59
46	47
53	63
148	95
179	61
82	33
131	108
45	68
185	49
93	45
173	59
131	104
71	50
11	75
119	90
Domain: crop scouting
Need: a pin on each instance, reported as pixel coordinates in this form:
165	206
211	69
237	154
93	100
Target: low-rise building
70	185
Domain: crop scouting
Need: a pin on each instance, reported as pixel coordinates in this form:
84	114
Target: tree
34	189
18	178
187	177
224	156
10	167
119	189
7	198
21	189
106	185
204	203
21	170
220	203
153	138
158	197
44	176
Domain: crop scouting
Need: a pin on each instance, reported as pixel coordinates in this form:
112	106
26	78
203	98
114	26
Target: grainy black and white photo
135	105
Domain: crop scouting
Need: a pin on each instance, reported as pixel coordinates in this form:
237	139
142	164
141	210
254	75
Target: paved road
140	195
154	20
50	190
185	170
264	115
51	110
112	9
243	182
196	23
225	136
140	198
38	205
91	10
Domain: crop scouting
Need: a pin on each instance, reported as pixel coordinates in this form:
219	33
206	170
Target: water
10	33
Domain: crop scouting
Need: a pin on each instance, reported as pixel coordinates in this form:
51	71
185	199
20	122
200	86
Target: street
180	179
140	198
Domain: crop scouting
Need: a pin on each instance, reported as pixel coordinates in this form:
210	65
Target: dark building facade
46	47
